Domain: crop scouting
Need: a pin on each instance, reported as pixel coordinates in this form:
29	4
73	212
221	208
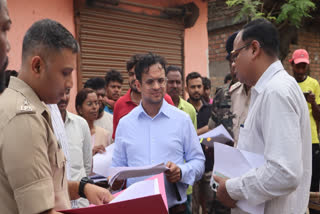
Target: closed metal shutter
109	37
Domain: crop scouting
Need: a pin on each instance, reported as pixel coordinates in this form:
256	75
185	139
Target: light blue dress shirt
169	136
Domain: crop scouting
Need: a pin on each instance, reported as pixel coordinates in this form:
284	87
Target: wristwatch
83	182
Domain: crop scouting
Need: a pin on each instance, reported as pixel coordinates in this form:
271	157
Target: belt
179	208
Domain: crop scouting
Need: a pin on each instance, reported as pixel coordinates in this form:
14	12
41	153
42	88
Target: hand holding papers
231	162
218	134
143	197
122	173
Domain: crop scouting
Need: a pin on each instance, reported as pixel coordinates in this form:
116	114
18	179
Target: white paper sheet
232	162
102	162
131	172
138	190
220	134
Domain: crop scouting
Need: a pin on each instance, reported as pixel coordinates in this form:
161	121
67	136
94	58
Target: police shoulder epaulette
234	86
25	107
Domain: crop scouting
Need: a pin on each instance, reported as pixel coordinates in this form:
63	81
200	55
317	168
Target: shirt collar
242	90
164	110
180	106
68	117
127	97
267	75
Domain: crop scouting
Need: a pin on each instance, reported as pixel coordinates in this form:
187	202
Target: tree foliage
279	12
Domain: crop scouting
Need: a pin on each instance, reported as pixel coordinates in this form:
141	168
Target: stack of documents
102	168
122	173
230	162
138	190
143	197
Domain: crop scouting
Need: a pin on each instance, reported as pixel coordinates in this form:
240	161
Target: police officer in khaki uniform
240	94
240	101
32	164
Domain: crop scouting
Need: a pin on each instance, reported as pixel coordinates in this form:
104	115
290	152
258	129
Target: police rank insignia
26	106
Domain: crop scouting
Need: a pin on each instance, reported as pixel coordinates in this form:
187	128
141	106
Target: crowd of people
46	151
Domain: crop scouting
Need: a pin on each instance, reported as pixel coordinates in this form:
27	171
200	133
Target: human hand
117	184
222	193
98	149
173	174
97	195
311	98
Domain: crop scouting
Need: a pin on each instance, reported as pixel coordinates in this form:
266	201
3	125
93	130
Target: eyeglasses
151	82
235	53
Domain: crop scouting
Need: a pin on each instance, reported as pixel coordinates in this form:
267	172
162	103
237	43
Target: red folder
155	204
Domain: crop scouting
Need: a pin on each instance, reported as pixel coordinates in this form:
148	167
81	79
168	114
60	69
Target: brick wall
218	65
221	25
311	42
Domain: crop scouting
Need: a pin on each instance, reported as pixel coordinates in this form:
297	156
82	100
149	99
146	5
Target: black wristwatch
83	182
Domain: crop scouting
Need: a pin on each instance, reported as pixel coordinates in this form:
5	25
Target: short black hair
229	45
265	33
132	61
95	83
193	75
144	63
174	68
50	35
227	78
113	75
8	74
206	83
82	96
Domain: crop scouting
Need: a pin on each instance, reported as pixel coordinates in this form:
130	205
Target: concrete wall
24	13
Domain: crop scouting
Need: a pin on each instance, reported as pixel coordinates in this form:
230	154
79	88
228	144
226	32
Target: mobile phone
213	184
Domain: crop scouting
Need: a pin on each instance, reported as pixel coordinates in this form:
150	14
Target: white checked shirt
60	133
278	127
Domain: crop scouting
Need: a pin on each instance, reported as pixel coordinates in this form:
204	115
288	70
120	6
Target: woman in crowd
87	106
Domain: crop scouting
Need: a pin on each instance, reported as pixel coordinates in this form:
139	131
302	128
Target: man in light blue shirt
156	132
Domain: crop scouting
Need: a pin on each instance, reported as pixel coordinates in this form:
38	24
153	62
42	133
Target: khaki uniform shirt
240	101
32	164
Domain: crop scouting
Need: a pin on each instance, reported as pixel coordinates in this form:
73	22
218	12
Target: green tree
287	15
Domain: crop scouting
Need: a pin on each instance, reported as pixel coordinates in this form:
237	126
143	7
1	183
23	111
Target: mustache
174	90
62	102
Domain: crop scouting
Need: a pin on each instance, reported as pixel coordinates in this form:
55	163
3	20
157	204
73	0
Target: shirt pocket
244	135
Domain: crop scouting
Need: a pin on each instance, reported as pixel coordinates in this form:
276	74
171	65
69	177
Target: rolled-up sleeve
27	165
